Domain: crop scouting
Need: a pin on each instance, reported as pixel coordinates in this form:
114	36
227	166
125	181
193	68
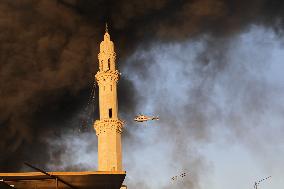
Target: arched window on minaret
110	113
108	63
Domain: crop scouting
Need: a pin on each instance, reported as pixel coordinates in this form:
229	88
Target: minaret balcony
109	75
105	125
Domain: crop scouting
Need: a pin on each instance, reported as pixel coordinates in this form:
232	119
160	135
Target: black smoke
48	56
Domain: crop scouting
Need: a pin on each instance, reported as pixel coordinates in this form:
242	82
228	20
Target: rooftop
76	180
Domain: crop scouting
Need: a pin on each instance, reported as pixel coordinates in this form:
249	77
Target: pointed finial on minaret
106	28
106	35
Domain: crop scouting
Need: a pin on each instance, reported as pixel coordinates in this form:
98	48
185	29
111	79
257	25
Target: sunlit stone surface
109	127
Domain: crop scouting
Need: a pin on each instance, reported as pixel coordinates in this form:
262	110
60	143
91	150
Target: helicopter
142	118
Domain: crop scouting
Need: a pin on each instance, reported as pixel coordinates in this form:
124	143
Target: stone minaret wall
109	127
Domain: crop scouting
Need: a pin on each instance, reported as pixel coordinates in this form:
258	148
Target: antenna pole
258	182
255	185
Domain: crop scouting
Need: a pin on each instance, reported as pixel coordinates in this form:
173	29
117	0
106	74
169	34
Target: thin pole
6	184
51	176
255	185
56	180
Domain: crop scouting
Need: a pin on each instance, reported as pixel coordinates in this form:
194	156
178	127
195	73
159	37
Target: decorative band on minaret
109	127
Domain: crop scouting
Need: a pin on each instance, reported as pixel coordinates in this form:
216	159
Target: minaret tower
109	127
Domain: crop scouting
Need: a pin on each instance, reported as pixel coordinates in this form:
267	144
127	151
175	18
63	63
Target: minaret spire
109	126
106	28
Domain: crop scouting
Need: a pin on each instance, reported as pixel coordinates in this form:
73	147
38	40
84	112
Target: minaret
109	127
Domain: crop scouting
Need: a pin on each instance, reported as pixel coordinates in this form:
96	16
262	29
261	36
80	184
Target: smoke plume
48	58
